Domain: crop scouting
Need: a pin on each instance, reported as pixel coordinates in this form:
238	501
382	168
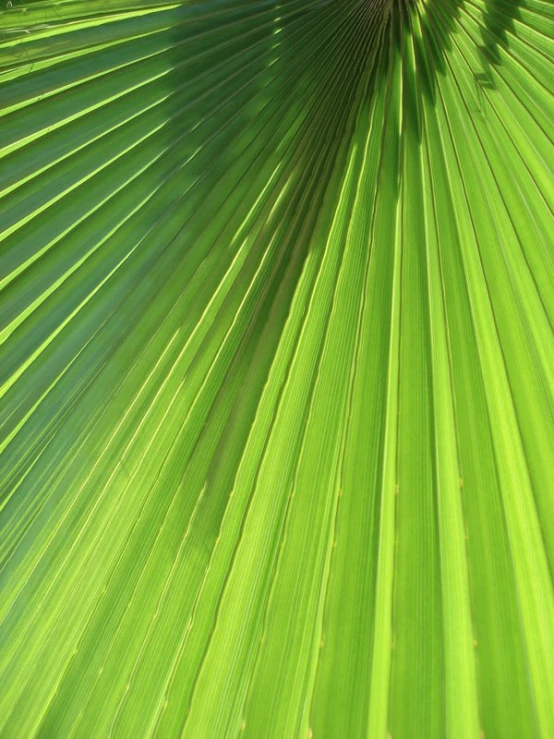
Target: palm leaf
277	368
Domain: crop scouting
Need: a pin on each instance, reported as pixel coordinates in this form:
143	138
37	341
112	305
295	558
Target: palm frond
276	368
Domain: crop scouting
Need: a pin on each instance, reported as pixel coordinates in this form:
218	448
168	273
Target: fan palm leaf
276	368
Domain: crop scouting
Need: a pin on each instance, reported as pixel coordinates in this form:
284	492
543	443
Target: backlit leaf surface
277	368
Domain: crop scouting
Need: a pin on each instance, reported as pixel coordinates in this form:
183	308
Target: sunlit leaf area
277	369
